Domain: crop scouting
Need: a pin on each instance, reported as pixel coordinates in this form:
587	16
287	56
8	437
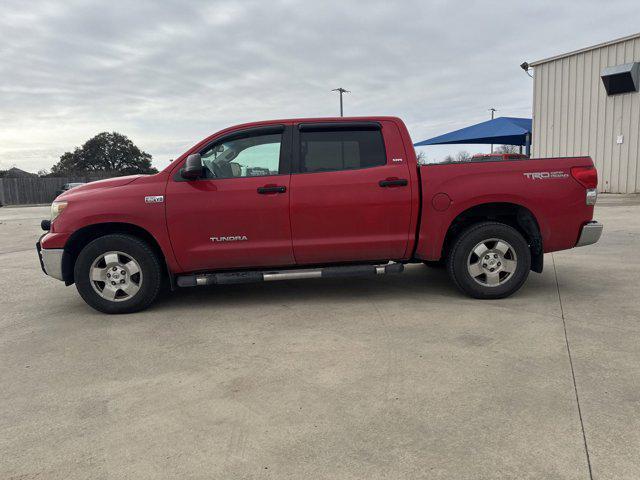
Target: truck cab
283	194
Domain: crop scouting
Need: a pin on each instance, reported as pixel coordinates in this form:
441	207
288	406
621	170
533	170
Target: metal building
587	102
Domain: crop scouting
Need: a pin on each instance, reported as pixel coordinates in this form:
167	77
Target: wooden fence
35	190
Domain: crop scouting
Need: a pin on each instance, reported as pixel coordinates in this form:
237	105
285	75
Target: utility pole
492	110
341	91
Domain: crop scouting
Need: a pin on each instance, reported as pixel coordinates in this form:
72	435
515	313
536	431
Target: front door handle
272	189
394	182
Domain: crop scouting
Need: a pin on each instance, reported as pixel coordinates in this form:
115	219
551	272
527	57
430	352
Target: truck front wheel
489	260
118	273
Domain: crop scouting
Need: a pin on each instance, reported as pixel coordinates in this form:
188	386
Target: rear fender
437	225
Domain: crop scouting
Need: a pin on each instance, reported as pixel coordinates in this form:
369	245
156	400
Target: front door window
256	156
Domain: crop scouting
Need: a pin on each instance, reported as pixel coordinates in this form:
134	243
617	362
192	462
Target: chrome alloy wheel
492	262
115	276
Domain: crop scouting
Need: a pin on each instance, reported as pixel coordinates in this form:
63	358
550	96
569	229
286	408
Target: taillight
587	176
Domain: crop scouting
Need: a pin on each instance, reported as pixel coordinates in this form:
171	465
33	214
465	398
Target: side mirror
192	168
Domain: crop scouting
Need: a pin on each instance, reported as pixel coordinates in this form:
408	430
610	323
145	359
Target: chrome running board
226	278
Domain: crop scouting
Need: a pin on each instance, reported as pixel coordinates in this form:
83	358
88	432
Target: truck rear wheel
489	260
118	274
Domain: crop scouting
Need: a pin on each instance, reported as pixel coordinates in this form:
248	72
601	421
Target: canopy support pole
528	144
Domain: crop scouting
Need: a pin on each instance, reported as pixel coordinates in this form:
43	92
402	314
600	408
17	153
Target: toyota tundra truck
315	198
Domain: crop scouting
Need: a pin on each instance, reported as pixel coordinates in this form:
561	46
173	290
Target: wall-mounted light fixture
525	66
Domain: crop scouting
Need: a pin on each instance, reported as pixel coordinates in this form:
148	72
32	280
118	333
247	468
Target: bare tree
506	149
422	158
463	156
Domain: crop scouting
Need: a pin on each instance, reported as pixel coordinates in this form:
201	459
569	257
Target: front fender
126	205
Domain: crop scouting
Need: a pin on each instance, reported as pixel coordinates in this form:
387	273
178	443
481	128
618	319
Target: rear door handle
272	189
394	182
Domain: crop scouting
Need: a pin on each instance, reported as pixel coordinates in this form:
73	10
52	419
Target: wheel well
511	214
81	238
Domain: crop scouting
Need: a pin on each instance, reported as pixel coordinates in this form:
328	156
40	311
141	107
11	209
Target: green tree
106	152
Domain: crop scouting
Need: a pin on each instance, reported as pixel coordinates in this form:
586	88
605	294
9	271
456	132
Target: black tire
149	276
462	254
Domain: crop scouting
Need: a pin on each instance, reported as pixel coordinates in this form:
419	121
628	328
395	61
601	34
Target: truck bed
544	186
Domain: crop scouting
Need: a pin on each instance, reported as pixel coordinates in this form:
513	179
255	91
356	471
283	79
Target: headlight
56	209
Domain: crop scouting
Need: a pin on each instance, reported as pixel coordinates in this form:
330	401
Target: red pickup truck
307	198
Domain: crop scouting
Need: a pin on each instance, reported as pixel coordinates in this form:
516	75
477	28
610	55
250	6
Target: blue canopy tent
501	130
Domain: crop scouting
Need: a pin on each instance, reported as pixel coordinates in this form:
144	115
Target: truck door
237	214
350	192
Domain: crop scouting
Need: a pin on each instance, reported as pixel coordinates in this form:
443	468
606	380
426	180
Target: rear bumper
590	233
50	261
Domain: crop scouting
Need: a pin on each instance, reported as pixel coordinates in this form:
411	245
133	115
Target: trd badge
545	175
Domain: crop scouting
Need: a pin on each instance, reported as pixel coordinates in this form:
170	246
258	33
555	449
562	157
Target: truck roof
317	119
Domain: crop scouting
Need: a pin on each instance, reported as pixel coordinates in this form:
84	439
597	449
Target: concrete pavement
396	377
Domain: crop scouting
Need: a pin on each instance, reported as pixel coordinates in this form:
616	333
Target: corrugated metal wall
572	115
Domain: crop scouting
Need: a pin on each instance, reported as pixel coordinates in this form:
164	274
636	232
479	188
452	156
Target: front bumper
51	261
590	233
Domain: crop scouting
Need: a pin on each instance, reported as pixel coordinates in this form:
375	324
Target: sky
168	73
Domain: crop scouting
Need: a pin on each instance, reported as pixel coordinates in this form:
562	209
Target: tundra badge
233	238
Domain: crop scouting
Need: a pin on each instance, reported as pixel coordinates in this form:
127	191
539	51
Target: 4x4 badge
154	199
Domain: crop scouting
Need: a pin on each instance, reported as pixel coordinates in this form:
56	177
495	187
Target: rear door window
332	150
